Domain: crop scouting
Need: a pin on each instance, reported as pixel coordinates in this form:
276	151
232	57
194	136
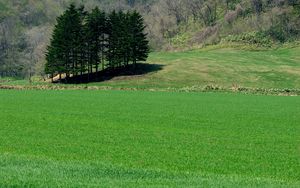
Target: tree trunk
134	64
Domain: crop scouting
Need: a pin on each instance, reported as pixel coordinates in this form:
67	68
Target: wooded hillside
26	25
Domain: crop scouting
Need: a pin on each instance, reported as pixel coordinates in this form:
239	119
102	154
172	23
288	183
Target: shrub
252	38
277	33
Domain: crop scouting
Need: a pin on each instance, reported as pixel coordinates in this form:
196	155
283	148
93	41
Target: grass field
224	67
220	67
159	139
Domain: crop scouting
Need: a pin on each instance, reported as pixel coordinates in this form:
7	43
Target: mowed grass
222	67
139	139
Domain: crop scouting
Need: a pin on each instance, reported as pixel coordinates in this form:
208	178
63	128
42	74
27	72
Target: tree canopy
82	41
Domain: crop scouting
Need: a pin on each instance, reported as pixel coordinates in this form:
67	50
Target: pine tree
126	38
103	37
96	31
119	39
139	45
82	41
113	40
57	51
75	40
50	60
65	55
121	29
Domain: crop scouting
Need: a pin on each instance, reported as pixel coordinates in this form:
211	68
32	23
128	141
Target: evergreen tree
57	51
50	60
139	45
113	40
82	41
103	37
74	36
96	32
126	38
65	53
119	39
121	29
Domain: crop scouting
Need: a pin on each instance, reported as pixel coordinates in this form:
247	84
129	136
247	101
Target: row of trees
82	42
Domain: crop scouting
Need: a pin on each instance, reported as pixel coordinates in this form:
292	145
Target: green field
137	139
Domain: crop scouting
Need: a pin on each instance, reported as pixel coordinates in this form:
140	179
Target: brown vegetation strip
260	91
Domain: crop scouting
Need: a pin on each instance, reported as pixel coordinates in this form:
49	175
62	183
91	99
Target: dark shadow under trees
108	74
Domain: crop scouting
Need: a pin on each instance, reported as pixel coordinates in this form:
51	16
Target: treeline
186	24
86	42
26	26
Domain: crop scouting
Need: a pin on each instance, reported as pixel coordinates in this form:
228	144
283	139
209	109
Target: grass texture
223	67
142	139
213	66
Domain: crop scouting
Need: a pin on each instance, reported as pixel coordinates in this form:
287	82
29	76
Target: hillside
220	67
213	68
25	26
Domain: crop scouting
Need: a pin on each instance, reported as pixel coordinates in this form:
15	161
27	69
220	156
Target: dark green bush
277	33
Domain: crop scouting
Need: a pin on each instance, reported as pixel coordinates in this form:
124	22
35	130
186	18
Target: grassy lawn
117	138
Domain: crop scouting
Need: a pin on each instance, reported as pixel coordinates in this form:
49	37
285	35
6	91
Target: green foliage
181	40
127	40
252	38
116	35
62	54
278	33
138	39
148	139
4	11
96	30
231	4
81	41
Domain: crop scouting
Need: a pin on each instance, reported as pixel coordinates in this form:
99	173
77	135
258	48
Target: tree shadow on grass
108	74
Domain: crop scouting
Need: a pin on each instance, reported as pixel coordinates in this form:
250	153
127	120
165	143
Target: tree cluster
26	26
83	42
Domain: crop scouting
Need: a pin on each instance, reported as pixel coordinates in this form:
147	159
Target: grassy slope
115	138
222	67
